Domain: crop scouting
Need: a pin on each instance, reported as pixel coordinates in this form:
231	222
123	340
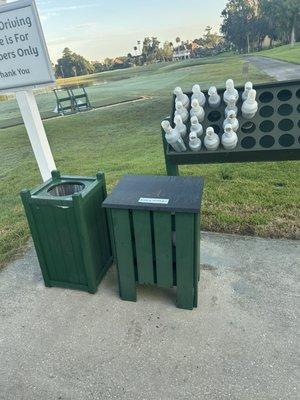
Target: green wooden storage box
155	234
69	228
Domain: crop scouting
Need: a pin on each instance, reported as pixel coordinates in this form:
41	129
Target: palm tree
178	40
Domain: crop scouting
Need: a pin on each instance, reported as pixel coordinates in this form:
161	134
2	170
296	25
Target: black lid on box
157	193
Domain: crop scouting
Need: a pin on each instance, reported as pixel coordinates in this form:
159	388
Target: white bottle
231	106
196	127
232	120
248	87
229	138
230	91
198	95
195	142
250	106
173	137
214	99
181	128
211	140
197	110
182	97
182	111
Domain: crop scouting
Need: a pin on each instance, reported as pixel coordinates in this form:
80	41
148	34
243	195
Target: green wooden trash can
69	228
156	234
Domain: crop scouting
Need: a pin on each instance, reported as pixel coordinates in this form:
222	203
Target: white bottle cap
165	124
252	95
196	89
178	105
194	120
178	91
231	114
178	119
210	131
195	103
229	84
212	90
228	128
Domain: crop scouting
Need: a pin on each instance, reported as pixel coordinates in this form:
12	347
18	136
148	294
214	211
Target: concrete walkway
280	70
239	344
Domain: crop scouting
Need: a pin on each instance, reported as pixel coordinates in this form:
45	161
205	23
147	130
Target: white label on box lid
153	201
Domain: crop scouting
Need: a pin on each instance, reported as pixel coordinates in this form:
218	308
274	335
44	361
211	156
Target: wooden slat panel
185	254
125	262
197	258
143	246
77	259
163	248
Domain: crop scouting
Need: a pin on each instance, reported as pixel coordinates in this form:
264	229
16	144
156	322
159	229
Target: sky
98	29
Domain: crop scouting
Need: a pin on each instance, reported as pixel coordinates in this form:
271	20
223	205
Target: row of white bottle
174	137
230	97
211	141
197	128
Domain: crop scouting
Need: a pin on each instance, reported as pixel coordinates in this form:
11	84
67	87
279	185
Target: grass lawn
256	198
284	53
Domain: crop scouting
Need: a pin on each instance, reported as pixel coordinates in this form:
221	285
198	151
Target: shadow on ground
238	344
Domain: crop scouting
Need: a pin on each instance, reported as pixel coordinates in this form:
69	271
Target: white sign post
24	65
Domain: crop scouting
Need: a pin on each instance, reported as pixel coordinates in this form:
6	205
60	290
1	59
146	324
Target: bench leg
124	254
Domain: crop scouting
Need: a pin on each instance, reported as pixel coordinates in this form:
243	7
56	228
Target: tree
238	27
150	50
210	40
72	64
167	51
98	66
178	40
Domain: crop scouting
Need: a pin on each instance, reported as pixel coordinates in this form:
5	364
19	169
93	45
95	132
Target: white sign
24	58
153	201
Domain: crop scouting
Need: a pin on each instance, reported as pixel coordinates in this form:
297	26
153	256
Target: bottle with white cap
232	120
182	111
194	142
180	126
250	106
214	99
211	140
231	106
197	110
182	97
230	91
196	127
173	137
198	95
229	138
248	87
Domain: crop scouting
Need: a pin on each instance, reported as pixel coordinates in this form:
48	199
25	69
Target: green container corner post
156	234
70	231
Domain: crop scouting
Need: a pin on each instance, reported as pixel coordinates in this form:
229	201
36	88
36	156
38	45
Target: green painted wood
162	227
196	258
143	246
124	252
185	263
85	243
70	233
25	196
